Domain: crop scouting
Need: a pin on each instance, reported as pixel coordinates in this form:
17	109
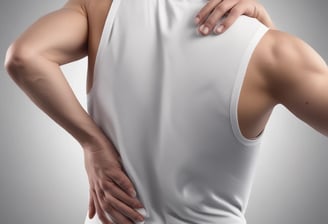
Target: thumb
92	209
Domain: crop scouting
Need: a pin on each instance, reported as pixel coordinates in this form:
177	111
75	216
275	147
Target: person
42	80
282	69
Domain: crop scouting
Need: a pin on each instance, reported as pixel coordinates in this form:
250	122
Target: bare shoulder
279	57
283	70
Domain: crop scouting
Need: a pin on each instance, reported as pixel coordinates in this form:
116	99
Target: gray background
42	176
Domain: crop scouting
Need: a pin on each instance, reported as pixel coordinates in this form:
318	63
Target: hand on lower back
110	187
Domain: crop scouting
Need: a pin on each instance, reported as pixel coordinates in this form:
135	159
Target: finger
110	203
206	10
92	209
119	218
235	12
119	177
250	10
219	11
100	211
116	192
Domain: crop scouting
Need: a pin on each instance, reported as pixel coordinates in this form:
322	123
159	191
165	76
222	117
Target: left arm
296	77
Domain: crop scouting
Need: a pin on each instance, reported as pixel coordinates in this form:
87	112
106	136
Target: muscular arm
34	60
296	77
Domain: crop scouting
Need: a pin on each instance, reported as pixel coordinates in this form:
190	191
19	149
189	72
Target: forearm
43	81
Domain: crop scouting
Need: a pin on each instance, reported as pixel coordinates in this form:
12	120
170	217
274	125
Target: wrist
92	138
263	16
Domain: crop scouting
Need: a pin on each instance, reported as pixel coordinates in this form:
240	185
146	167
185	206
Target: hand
110	188
210	15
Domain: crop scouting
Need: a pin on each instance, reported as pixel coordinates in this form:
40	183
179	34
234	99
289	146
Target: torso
166	115
255	106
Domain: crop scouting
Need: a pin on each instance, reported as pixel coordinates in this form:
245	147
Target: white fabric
167	98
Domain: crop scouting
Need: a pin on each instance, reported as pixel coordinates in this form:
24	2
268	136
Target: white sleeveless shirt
167	98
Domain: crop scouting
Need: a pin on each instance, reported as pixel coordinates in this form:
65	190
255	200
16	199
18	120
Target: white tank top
167	98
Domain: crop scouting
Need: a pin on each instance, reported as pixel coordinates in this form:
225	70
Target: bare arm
33	61
297	77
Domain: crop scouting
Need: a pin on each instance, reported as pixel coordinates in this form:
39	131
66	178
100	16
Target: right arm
33	62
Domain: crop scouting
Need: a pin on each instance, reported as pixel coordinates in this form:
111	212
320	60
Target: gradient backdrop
42	176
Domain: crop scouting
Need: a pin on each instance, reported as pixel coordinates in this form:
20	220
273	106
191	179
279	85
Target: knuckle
206	9
126	199
107	206
222	9
125	210
200	14
136	217
117	177
108	186
236	12
108	200
136	203
211	21
132	214
228	22
200	17
115	204
124	183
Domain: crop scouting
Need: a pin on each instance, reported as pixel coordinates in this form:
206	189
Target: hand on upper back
214	10
296	76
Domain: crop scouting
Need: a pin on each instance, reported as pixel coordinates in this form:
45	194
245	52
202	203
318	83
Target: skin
215	9
283	70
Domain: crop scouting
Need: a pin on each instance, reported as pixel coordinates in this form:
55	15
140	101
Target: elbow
17	60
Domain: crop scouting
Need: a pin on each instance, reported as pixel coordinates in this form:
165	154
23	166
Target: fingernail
133	193
204	29
142	211
196	20
140	218
219	29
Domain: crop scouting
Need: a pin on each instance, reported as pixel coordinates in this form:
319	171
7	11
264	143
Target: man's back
167	98
283	69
